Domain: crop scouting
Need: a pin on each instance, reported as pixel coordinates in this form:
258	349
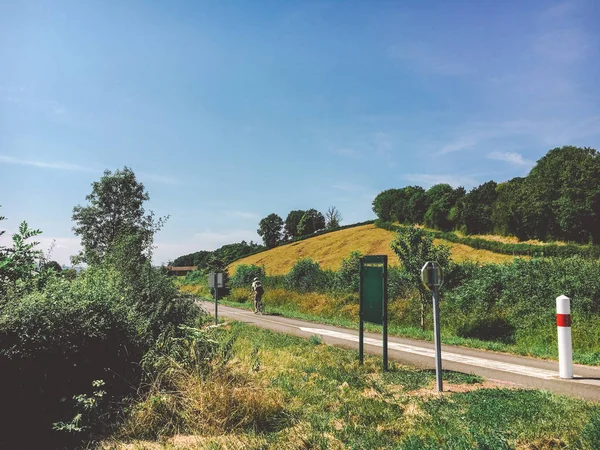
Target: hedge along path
330	249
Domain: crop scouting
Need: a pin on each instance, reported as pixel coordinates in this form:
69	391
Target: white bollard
565	347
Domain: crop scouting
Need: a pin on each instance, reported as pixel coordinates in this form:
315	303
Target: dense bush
500	301
307	276
245	274
55	341
347	278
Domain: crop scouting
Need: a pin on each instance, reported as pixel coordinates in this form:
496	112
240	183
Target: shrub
56	341
307	276
400	284
488	328
347	278
244	275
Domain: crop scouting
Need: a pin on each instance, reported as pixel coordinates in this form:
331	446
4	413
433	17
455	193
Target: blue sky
228	111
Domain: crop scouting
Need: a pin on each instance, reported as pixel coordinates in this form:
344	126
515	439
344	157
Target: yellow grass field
331	248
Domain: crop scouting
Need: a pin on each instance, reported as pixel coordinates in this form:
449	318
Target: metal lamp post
433	277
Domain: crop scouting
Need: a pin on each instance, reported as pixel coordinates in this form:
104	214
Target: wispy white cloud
563	46
421	57
60	165
349	187
472	135
559	10
159	179
511	158
241	214
348	152
4	159
427	179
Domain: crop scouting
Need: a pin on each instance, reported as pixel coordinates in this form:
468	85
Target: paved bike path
518	370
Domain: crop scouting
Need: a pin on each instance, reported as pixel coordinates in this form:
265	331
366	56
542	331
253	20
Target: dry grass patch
331	248
220	404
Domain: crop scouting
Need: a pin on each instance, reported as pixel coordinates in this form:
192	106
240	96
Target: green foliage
244	275
115	209
227	253
89	409
558	200
347	278
545	250
52	265
21	261
400	284
384	202
311	221
442	200
414	248
475	209
307	276
57	339
269	229
409	204
291	223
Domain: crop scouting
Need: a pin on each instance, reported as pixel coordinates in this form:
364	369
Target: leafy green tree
311	221
332	218
116	208
291	223
414	248
475	209
53	265
565	187
442	199
384	202
269	229
417	205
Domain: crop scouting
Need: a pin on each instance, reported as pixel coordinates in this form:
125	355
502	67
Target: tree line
298	223
219	258
558	200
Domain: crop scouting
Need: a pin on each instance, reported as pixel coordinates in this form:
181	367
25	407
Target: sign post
433	277
215	281
373	300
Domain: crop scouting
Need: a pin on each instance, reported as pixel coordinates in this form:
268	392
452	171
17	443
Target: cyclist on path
257	292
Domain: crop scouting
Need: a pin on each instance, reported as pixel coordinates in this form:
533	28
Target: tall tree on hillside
311	221
410	204
475	209
442	213
269	229
332	218
565	184
414	248
115	212
384	203
291	223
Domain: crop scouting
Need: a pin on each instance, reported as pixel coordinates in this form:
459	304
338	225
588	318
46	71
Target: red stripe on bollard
563	320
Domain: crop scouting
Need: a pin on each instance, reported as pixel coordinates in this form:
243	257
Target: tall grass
303	394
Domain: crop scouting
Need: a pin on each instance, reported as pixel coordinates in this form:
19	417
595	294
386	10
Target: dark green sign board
373	282
373	300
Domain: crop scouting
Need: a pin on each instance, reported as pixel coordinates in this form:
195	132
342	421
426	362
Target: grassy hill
329	250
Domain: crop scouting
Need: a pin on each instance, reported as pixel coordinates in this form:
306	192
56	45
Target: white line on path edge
447	356
470	360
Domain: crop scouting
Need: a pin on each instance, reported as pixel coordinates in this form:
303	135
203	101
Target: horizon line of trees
274	230
558	200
